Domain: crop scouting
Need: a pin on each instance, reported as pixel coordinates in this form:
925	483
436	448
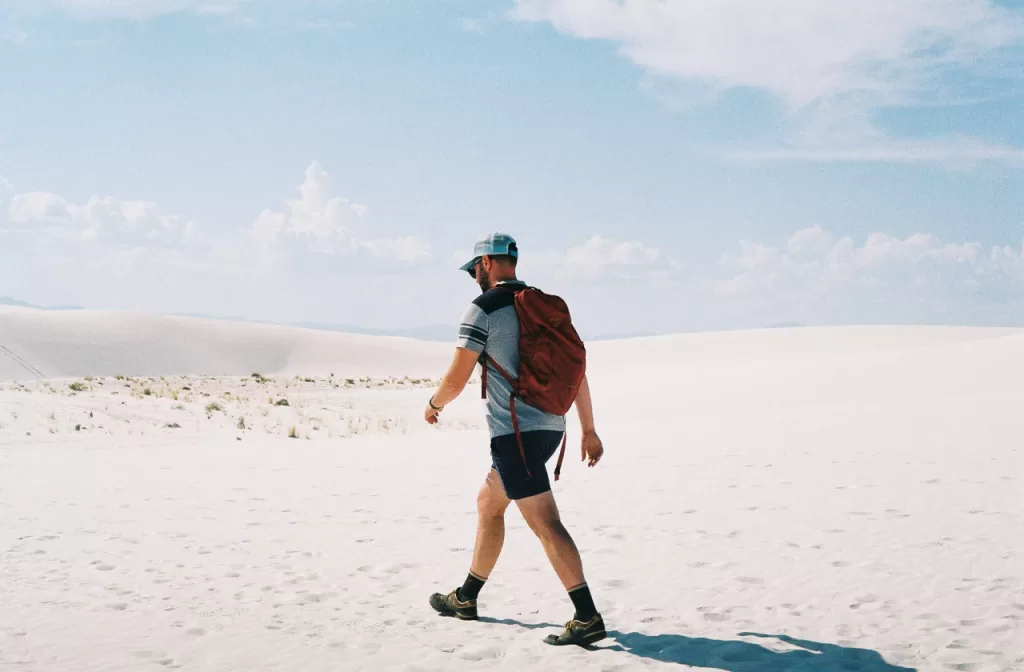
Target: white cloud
410	249
815	263
100	219
832	64
328	224
599	256
801	51
598	252
102	250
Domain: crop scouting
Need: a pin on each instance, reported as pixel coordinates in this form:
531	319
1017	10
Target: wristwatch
436	408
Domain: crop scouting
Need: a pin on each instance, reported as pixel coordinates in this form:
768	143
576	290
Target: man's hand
591	447
430	415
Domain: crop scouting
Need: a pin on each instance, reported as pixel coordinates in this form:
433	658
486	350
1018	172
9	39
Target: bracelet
436	408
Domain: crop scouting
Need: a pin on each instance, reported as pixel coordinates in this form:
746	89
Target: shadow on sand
736	656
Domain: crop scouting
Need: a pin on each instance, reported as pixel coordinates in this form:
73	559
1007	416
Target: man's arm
591	447
472	340
458	375
585	407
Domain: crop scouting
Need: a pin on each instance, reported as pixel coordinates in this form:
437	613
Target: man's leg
491	503
541	514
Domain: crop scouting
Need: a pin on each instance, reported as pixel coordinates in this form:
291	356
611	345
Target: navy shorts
539	446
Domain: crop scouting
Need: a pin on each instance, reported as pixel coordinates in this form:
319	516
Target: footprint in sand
715	618
486	653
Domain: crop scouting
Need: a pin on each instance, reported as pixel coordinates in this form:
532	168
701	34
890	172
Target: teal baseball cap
493	245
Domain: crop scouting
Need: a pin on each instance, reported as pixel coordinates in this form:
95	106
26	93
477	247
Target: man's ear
486	262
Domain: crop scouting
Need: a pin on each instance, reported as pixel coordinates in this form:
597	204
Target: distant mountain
8	301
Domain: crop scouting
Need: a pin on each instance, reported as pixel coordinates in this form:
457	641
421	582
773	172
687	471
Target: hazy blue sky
666	166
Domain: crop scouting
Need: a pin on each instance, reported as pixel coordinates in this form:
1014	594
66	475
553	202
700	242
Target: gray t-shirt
491	326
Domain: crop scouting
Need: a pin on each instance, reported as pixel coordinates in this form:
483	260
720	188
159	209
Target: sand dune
57	344
812	500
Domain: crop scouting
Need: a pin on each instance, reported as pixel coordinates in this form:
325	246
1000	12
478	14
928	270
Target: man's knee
491	500
548	529
541	515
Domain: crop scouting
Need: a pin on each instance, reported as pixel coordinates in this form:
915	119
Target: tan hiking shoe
580	633
451	605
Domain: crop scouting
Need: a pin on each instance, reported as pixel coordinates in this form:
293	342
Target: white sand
855	490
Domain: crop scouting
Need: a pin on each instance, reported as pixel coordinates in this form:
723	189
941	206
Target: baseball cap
493	245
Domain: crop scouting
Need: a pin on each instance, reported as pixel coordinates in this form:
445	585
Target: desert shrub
213	406
293	433
78	386
281	402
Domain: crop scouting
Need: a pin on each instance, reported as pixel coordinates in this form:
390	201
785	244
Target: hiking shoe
451	605
580	633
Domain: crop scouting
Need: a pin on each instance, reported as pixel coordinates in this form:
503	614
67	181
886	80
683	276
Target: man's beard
484	282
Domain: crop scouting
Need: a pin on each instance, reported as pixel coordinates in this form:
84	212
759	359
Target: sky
665	166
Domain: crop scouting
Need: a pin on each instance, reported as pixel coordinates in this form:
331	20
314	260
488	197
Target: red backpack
552	361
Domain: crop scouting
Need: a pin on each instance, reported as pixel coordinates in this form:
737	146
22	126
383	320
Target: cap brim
468	266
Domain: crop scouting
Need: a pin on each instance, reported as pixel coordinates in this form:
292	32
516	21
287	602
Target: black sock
471	588
584	603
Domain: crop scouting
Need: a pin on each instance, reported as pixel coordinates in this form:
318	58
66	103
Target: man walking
523	439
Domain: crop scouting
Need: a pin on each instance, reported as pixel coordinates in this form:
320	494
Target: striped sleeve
473	330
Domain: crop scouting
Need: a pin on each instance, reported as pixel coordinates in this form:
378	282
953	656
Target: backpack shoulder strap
484	359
